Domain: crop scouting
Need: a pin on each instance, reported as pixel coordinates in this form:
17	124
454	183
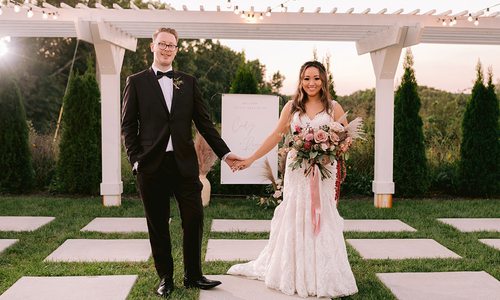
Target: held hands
231	160
242	164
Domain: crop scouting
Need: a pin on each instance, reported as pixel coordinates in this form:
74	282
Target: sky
446	67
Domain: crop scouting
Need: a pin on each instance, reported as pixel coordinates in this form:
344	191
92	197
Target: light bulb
54	16
30	13
242	14
444	22
261	16
17	8
469	18
1	11
236	10
229	4
283	8
476	22
45	15
268	13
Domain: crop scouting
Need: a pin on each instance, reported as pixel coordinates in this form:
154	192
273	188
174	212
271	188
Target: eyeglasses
164	46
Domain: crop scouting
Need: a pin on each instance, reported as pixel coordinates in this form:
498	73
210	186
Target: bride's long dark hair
300	97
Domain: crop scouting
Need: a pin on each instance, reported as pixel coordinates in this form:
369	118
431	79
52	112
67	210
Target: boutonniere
177	82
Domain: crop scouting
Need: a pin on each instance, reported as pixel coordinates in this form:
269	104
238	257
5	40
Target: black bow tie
160	74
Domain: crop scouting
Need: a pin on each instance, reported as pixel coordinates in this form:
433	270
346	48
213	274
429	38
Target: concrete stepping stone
400	248
23	223
74	287
6	243
219	225
89	250
495	243
226	225
376	226
239	288
442	285
471	224
229	250
121	225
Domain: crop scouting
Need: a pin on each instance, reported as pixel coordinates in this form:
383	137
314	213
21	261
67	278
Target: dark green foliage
16	171
411	174
480	148
79	164
244	82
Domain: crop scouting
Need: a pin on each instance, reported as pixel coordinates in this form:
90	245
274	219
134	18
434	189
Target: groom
159	106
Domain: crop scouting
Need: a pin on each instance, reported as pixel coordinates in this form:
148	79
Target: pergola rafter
382	34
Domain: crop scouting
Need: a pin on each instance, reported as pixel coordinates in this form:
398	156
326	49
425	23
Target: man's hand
231	160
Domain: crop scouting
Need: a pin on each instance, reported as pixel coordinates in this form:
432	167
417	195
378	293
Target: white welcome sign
246	121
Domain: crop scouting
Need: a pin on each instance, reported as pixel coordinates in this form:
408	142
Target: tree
79	164
331	84
244	82
17	173
277	82
411	173
480	149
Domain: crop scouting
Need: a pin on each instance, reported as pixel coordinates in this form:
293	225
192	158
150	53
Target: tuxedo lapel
156	87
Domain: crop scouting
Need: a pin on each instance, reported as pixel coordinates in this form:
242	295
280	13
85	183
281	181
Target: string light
469	18
1	11
54	16
45	15
444	22
476	22
17	8
261	17
30	13
236	10
229	5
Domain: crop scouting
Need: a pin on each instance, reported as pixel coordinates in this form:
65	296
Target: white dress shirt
167	88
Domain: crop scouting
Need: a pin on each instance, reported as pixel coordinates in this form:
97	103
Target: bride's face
311	82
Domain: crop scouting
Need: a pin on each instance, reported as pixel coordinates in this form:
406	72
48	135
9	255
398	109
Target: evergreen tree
411	174
79	164
16	170
331	84
479	151
244	82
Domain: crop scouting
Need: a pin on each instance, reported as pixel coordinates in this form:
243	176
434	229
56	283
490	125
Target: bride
303	256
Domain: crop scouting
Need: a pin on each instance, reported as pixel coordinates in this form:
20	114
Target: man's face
164	49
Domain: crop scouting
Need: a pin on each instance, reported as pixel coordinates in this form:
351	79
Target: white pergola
382	34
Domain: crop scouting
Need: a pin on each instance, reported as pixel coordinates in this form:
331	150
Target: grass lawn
26	257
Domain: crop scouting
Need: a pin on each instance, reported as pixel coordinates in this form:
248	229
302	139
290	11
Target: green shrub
44	158
480	149
411	174
79	164
16	171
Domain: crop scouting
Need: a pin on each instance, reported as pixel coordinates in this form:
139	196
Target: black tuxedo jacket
147	123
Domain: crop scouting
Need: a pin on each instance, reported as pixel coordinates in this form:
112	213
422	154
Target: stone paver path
228	225
121	225
495	243
74	288
6	243
400	248
239	288
376	226
442	285
230	250
473	224
89	250
23	223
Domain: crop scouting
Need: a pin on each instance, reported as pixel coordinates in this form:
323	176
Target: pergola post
385	50
110	47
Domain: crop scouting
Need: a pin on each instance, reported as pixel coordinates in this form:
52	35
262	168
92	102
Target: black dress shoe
165	288
202	283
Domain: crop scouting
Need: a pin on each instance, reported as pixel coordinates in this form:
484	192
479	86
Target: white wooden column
110	46
385	50
385	63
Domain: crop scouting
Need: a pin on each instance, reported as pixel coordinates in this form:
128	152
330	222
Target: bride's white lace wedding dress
296	260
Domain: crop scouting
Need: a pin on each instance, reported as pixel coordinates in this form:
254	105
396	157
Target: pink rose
309	137
307	145
325	146
334	137
298	129
320	136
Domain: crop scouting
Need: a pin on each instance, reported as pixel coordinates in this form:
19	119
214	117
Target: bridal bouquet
321	146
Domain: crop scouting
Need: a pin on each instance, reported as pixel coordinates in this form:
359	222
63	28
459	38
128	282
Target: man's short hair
163	29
